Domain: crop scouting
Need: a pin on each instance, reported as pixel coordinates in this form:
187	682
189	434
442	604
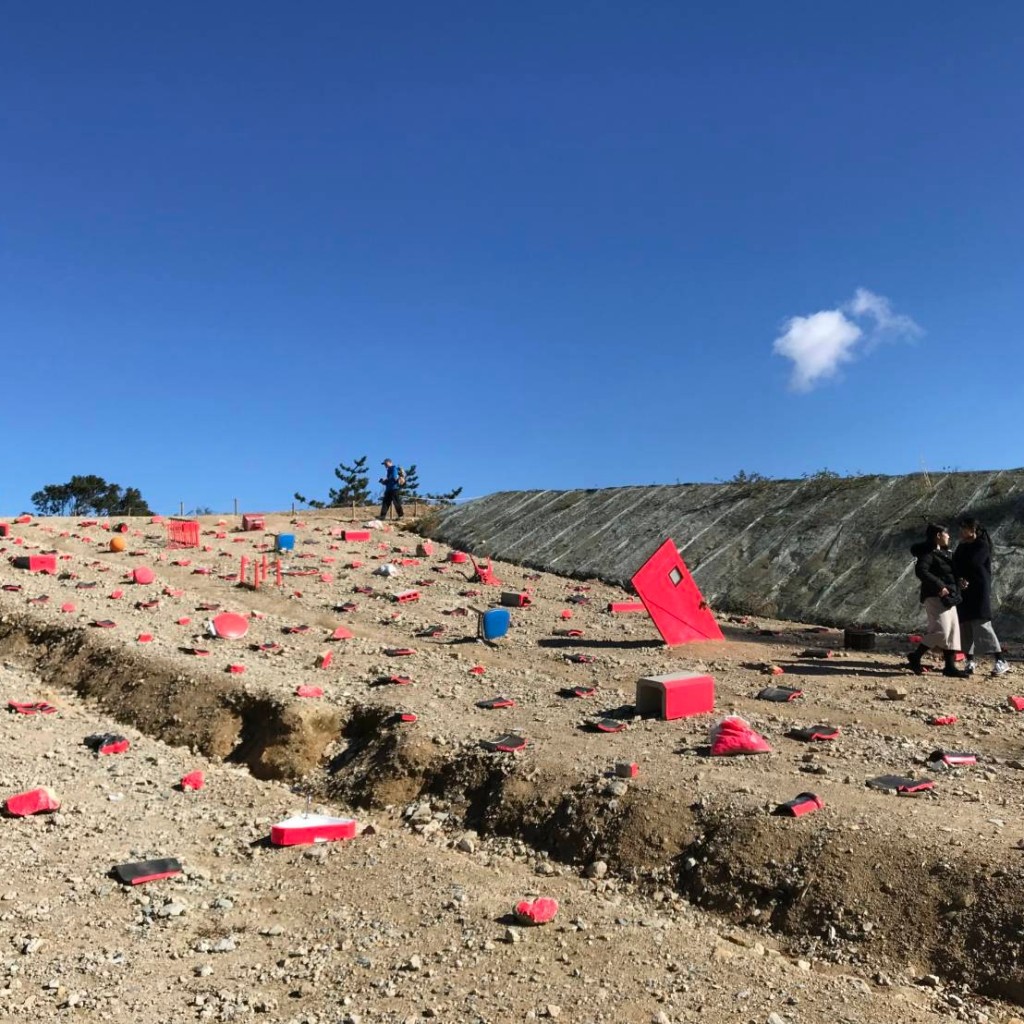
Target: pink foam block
192	781
355	535
675	695
538	911
311	828
626	607
33	801
308	691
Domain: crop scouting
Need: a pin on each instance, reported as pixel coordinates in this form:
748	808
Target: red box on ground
675	695
311	828
355	535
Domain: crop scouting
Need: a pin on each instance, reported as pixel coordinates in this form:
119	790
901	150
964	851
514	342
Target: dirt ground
682	897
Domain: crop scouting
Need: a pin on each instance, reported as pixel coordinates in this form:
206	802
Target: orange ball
117	543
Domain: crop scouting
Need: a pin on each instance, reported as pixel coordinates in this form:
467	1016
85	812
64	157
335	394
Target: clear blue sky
521	245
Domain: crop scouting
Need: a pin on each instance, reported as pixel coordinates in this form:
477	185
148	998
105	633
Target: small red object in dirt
400	680
458	557
147	870
626	607
675	695
36	563
145	638
609	725
776	670
565	614
142	574
236	670
399	652
511	600
303	829
296	629
116	595
477	670
496	702
229	626
627	769
538	911
67	607
341	633
22	519
815	733
407	596
353	536
34	801
583	691
324	660
407	716
104	623
943	720
308	691
1017	703
193	781
198	652
424	549
510	743
37	707
253	521
184	621
733	736
914	638
581	659
780	694
805	803
952	758
108	743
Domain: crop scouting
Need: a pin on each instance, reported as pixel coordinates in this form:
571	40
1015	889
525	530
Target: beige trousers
943	625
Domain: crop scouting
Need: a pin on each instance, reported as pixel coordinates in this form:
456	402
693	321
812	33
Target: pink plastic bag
733	735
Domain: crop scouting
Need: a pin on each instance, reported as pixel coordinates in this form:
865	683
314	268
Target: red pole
242	568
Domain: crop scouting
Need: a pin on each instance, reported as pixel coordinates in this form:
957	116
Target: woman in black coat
939	595
972	564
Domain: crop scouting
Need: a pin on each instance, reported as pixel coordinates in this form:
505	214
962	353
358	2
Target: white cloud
878	307
817	344
820	343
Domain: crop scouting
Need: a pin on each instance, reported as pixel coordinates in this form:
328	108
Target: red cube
675	695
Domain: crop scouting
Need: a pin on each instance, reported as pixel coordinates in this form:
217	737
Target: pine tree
355	489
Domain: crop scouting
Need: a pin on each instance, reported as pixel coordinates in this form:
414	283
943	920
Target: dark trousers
391	497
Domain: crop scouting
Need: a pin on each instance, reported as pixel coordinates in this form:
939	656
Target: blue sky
530	245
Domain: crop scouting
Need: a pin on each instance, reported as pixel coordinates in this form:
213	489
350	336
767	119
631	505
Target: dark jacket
934	569
972	561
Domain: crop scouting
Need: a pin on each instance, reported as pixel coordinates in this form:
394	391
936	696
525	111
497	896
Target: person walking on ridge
972	564
393	481
940	595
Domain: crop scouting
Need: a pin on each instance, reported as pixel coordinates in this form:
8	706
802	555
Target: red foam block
193	781
538	911
33	801
675	695
311	828
353	536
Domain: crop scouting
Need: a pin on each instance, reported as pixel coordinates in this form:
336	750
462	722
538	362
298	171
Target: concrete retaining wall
824	550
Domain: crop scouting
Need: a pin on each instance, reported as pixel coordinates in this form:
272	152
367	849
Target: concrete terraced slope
821	549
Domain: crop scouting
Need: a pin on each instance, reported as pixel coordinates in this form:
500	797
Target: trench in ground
877	905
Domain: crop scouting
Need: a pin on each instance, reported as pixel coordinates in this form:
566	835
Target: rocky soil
682	897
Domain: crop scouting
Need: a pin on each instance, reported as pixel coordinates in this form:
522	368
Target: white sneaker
970	666
1000	668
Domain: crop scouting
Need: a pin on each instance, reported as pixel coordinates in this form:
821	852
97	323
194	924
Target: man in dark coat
972	564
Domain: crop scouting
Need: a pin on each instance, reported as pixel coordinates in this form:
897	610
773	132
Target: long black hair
972	524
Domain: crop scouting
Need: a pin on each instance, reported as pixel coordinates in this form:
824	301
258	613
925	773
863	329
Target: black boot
949	666
915	656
